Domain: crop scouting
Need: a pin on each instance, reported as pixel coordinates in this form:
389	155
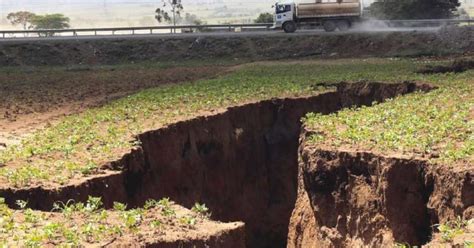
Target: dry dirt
357	199
243	163
457	66
170	233
449	41
32	99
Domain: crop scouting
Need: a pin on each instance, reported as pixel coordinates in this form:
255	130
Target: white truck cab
284	12
331	14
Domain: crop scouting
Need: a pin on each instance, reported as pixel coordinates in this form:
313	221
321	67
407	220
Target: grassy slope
79	144
438	125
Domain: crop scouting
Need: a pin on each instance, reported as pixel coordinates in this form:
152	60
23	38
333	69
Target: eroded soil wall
242	163
450	41
362	199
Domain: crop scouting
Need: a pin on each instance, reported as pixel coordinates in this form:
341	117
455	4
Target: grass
80	144
438	125
452	229
82	224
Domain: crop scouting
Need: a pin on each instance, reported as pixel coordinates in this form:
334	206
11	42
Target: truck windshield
282	8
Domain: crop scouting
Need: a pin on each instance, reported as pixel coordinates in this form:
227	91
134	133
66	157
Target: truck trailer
332	14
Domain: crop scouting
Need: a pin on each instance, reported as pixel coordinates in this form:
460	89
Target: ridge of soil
354	198
242	163
457	66
449	41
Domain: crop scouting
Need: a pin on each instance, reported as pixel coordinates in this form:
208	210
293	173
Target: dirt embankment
242	163
355	199
452	41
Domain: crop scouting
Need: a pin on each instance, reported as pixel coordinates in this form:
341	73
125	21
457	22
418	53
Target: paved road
217	34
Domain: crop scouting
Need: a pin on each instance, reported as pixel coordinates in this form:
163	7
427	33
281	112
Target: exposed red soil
364	199
461	240
32	99
242	163
171	232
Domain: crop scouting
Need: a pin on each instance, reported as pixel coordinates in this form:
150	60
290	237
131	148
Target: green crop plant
437	125
152	203
452	229
120	206
201	210
73	224
79	145
188	220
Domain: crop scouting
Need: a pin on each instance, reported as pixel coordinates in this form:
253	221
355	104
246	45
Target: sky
125	13
113	13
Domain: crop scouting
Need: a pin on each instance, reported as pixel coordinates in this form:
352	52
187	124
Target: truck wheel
289	27
329	26
343	25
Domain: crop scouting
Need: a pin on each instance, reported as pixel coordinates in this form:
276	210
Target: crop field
437	125
79	144
65	126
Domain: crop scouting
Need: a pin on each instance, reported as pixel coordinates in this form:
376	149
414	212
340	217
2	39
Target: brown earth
171	233
33	98
242	163
457	66
356	199
465	239
449	41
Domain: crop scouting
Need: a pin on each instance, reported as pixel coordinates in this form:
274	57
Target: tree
21	17
413	9
175	6
51	21
264	18
191	19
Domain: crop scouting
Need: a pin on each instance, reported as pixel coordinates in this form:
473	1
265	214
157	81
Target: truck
331	14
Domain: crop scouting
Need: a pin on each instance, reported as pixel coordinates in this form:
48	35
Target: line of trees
402	10
29	20
414	9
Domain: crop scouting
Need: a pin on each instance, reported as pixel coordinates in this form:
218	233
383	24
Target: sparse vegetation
452	229
414	9
80	224
264	18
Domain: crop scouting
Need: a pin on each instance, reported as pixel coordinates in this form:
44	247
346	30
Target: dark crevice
243	163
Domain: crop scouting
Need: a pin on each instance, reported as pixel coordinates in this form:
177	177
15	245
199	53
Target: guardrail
133	30
195	28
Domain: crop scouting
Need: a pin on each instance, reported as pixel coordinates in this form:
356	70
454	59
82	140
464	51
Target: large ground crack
243	163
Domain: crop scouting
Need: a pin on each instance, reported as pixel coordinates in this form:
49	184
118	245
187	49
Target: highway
270	33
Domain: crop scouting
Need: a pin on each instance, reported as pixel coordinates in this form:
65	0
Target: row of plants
80	144
81	224
438	125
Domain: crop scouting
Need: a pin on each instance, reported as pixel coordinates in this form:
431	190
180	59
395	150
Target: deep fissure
242	163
